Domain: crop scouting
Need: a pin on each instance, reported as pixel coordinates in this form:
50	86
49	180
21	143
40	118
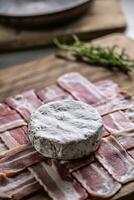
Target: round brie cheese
65	129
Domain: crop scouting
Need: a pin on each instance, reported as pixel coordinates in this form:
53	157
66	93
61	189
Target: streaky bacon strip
52	93
19	186
25	103
120	102
57	181
20	135
3	154
126	139
4	109
78	163
115	160
80	88
8	140
97	181
109	88
117	122
131	152
2	146
116	99
105	133
19	159
28	187
3	149
15	137
9	119
14	144
130	113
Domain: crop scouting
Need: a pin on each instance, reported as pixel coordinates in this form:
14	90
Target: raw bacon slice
25	103
78	163
19	186
80	88
57	182
120	102
19	159
29	187
3	149
117	122
52	93
115	160
126	139
4	109
15	137
130	113
97	181
108	88
9	119
131	152
20	135
105	133
2	146
9	140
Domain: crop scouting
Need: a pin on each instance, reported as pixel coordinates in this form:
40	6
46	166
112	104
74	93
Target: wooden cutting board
43	72
105	16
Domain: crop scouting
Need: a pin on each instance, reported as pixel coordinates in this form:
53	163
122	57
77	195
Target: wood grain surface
105	16
43	72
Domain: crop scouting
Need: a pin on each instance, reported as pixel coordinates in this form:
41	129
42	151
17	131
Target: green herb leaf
107	57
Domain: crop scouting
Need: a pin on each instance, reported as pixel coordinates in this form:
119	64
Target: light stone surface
65	129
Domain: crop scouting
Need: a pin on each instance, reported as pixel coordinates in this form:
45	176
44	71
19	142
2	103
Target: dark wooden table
19	57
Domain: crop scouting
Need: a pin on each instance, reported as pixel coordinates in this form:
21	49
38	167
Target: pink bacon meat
117	122
52	93
116	99
108	88
9	119
19	186
131	152
115	160
25	103
3	149
57	182
8	140
20	135
14	144
130	113
49	99
105	133
120	102
15	137
97	181
4	109
2	146
126	139
80	88
77	163
17	189
19	159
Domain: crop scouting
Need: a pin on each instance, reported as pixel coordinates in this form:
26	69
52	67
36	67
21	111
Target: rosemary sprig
107	57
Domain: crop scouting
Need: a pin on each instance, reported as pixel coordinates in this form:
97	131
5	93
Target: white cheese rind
65	129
